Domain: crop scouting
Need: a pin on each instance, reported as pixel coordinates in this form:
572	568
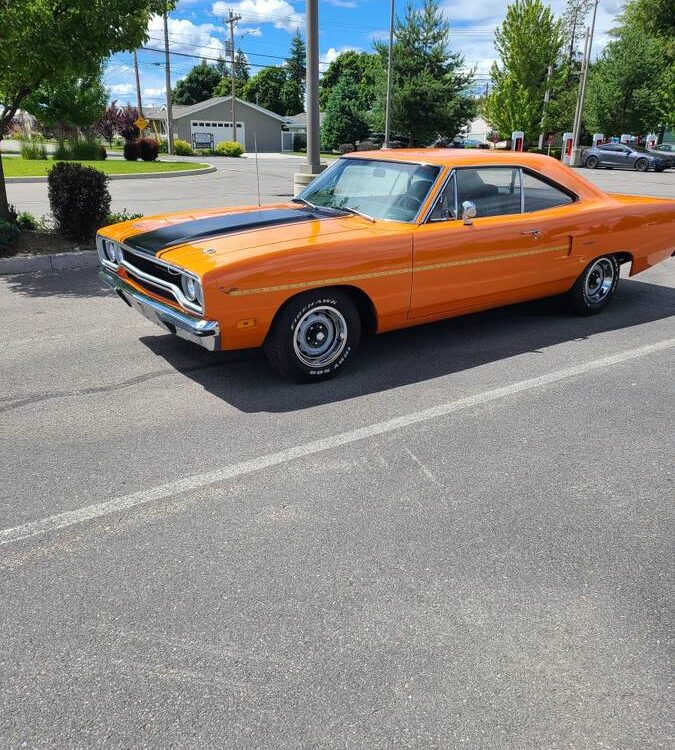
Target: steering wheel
410	202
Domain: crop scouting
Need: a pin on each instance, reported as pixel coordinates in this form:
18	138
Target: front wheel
314	336
592	162
642	165
593	290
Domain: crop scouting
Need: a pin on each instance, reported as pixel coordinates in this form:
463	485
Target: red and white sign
517	140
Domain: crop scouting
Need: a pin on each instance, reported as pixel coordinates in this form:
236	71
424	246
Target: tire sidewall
283	334
644	165
592	162
581	301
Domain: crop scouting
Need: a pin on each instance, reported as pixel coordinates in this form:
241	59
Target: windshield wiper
306	202
355	211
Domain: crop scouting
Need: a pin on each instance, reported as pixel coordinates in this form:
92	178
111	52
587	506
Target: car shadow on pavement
392	360
58	283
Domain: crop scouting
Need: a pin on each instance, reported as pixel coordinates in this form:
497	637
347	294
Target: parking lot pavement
248	563
234	184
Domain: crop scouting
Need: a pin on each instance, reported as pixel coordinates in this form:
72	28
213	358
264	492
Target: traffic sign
141	123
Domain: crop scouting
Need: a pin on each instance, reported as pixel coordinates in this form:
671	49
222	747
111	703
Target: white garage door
219	130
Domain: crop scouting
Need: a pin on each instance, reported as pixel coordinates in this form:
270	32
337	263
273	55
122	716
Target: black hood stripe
151	243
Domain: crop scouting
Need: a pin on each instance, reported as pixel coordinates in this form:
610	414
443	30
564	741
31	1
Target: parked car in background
665	148
625	156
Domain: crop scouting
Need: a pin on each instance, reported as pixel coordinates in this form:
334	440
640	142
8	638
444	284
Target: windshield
377	188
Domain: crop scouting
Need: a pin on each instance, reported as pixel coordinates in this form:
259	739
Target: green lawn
40	167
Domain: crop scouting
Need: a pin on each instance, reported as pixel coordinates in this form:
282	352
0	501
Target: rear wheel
594	289
592	162
314	336
642	165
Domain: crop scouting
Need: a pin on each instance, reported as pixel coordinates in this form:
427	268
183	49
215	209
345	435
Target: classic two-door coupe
379	241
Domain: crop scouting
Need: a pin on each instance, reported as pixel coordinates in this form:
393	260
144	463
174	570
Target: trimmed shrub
132	150
346	148
102	153
8	233
163	147
300	142
26	222
63	151
84	150
33	147
366	146
120	216
229	148
182	148
79	199
149	149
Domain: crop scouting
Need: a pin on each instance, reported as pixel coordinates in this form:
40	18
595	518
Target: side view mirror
468	212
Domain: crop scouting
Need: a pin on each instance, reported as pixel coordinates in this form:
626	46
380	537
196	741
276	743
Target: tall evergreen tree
295	63
430	87
528	41
241	76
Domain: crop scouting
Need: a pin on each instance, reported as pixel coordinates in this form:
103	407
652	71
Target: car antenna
257	173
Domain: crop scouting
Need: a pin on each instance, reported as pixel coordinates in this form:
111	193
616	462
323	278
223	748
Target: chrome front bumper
205	333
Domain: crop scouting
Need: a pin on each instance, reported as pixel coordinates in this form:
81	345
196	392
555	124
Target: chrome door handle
533	232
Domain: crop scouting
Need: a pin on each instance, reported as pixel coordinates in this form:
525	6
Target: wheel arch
364	305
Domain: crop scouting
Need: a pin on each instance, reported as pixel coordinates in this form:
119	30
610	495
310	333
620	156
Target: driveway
464	541
234	184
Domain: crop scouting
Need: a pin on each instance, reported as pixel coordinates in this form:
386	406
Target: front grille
149	266
156	290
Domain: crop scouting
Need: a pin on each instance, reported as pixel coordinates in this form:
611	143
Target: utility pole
547	96
313	124
139	103
576	129
232	22
390	70
167	74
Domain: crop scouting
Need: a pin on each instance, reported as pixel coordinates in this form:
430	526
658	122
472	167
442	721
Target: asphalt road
246	563
234	184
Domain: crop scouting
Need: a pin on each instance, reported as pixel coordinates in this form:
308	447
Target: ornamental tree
44	42
198	85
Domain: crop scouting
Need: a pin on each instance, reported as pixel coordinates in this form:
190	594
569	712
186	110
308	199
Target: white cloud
121	89
342	3
278	12
187	37
249	31
332	54
154	93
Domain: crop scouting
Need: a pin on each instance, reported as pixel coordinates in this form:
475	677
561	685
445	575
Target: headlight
119	255
191	288
110	253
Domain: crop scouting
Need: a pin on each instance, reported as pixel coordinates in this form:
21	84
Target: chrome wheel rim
599	280
320	336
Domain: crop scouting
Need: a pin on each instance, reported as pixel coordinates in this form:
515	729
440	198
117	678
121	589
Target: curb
137	176
52	262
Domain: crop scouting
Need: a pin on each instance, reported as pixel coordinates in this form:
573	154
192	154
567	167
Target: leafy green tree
272	89
198	85
72	103
528	41
362	72
430	92
265	87
295	63
44	42
241	76
623	94
344	121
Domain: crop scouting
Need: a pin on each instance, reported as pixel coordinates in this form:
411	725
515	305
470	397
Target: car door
517	247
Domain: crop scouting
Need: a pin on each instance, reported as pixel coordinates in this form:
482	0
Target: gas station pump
517	140
652	138
626	137
566	155
598	139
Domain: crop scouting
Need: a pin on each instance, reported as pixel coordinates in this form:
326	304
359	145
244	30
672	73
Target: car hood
202	240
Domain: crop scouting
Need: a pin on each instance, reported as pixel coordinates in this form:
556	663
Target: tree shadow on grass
413	355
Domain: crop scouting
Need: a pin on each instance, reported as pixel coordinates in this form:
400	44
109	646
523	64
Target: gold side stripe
396	272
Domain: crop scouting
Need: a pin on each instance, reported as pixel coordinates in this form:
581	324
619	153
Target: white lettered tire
594	289
314	336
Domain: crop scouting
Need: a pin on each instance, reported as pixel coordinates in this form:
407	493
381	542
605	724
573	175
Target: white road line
197	481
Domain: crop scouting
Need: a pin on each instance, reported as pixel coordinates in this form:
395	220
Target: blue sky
196	28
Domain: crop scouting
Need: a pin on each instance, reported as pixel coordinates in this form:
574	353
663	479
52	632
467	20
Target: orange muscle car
379	241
